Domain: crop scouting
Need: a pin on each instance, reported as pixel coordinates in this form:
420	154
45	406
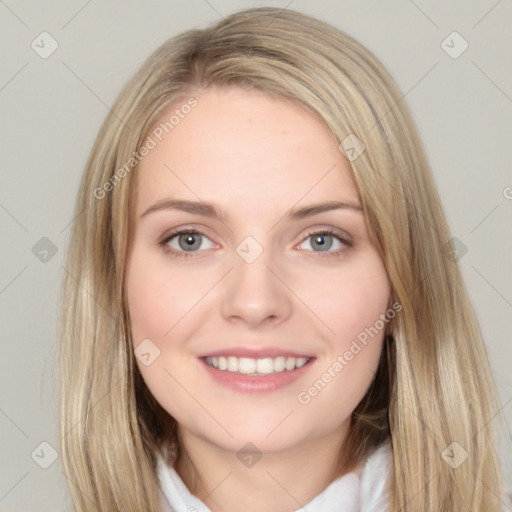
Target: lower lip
257	384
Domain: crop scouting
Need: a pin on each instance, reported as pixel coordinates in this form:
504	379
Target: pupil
189	241
322	242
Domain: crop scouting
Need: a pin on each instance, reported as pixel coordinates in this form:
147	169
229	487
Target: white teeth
246	365
279	364
264	366
301	361
290	363
232	364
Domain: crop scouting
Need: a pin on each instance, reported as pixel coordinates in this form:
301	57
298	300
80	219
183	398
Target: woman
261	308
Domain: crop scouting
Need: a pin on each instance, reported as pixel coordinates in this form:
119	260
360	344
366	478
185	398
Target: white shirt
366	492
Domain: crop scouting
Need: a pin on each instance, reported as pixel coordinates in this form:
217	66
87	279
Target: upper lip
254	352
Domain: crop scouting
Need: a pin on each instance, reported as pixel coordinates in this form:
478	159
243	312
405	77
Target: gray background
52	109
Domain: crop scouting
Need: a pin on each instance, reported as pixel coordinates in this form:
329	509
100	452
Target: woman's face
257	301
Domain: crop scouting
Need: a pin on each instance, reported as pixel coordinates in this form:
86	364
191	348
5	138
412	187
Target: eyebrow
209	210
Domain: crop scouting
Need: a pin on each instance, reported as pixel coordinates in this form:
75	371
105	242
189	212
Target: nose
254	295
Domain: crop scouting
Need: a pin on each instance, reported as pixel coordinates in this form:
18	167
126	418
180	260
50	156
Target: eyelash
190	254
347	244
182	254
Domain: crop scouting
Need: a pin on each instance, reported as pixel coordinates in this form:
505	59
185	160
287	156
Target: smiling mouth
257	367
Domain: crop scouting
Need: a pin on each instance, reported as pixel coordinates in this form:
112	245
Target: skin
254	158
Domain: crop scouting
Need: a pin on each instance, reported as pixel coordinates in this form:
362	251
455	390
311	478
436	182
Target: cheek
150	303
351	304
157	299
158	296
350	299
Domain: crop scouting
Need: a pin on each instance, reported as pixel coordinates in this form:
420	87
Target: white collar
349	493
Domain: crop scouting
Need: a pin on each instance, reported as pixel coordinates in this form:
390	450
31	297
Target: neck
284	481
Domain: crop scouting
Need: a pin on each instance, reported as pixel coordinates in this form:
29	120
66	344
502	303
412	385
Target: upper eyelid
341	234
170	233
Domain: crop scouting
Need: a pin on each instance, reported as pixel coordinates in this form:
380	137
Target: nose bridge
253	293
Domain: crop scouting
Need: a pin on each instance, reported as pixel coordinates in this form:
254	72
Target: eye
323	241
187	241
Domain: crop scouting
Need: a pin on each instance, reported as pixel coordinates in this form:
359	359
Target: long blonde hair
433	387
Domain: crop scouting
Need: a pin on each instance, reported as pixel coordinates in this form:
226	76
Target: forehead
241	148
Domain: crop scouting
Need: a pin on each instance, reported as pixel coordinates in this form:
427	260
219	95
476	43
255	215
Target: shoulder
374	480
174	495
